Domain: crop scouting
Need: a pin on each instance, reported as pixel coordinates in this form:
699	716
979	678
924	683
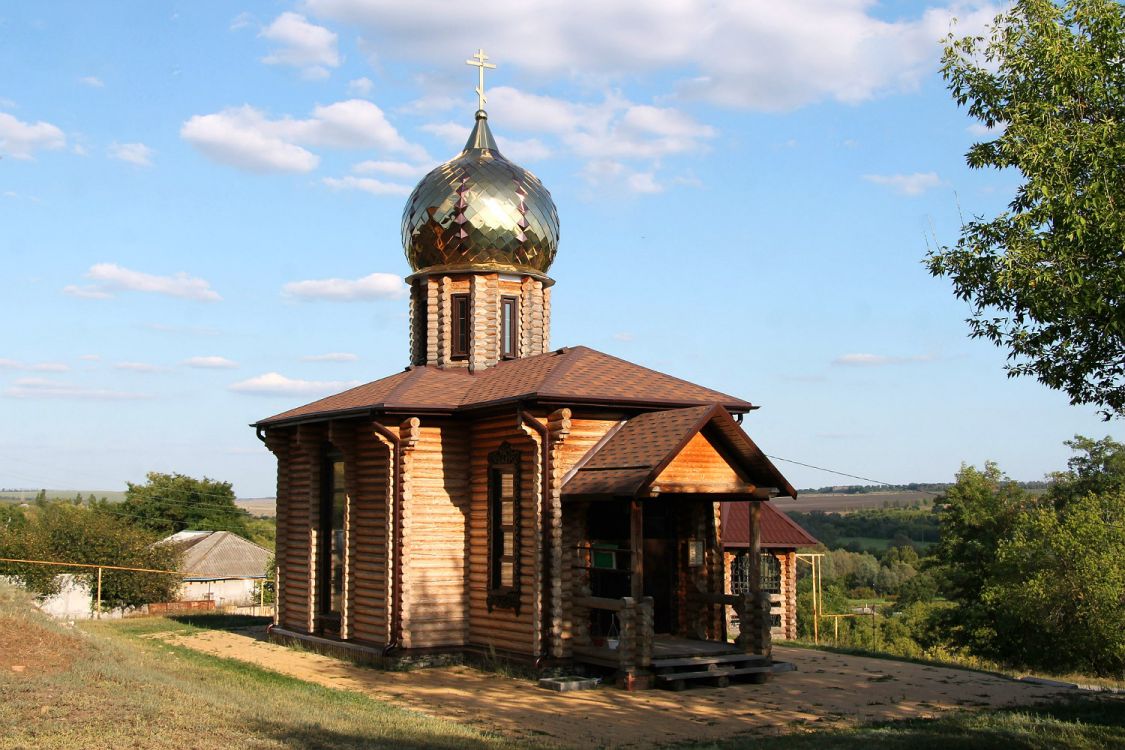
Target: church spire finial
478	62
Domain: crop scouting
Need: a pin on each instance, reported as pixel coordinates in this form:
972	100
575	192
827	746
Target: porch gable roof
632	458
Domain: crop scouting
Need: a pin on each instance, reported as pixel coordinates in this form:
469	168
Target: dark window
509	327
330	569
421	325
461	328
504	528
770	569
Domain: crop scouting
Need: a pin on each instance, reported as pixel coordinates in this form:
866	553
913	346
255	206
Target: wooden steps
715	669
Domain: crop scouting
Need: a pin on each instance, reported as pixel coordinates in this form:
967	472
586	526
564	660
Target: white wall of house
226	593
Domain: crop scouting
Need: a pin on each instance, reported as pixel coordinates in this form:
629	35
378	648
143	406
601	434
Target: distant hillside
255	506
921	487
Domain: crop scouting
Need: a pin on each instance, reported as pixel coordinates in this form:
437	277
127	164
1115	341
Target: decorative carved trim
506	597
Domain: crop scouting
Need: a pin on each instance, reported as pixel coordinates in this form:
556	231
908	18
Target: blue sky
200	205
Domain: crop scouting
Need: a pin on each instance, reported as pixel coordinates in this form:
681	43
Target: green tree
1046	277
168	503
1098	466
980	511
64	532
1059	588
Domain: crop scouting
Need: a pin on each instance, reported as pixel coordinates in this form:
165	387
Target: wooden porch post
636	548
755	550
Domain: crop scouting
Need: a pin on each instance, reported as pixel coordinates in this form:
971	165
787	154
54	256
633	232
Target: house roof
631	459
777	529
571	375
212	555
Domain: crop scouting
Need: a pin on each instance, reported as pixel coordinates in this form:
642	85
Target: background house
781	537
220	566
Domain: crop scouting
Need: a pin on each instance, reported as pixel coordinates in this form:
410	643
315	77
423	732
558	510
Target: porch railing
634	641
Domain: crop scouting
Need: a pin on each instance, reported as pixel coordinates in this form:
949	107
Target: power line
845	474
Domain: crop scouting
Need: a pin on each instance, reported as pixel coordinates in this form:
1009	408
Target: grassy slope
108	685
111	687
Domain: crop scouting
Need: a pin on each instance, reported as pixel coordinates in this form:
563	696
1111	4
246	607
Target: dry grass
104	686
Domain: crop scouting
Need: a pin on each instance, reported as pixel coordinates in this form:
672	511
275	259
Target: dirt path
827	688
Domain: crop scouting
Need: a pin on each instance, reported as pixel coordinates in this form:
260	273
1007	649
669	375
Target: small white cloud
134	153
210	363
242	138
374	286
276	384
20	140
453	133
878	360
366	184
331	357
246	138
33	388
243	20
360	86
907	184
113	278
644	182
981	130
303	45
11	194
623	336
531	149
92	81
140	367
12	364
90	357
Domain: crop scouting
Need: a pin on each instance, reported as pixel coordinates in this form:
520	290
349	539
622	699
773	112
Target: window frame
509	335
461	328
327	618
505	461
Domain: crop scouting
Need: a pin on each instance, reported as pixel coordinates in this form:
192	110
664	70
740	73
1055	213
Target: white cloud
243	137
276	384
210	363
878	360
32	388
243	20
20	140
90	357
140	367
360	86
907	184
374	286
134	153
983	131
331	357
366	184
92	81
623	336
111	278
756	54
246	138
303	45
12	364
609	174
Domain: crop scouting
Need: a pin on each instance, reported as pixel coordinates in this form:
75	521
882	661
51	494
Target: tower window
459	344
509	327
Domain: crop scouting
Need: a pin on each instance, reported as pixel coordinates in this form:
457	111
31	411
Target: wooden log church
499	497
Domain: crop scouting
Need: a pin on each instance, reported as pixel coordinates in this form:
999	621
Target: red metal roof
573	375
778	529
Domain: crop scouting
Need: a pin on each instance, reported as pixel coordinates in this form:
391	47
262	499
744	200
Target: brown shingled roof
778	529
573	375
631	459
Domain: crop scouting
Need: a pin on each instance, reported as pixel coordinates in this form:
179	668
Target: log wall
435	520
502	628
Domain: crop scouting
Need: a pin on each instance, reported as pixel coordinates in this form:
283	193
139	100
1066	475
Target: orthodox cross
478	61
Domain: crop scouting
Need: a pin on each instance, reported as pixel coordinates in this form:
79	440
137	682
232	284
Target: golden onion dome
480	212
